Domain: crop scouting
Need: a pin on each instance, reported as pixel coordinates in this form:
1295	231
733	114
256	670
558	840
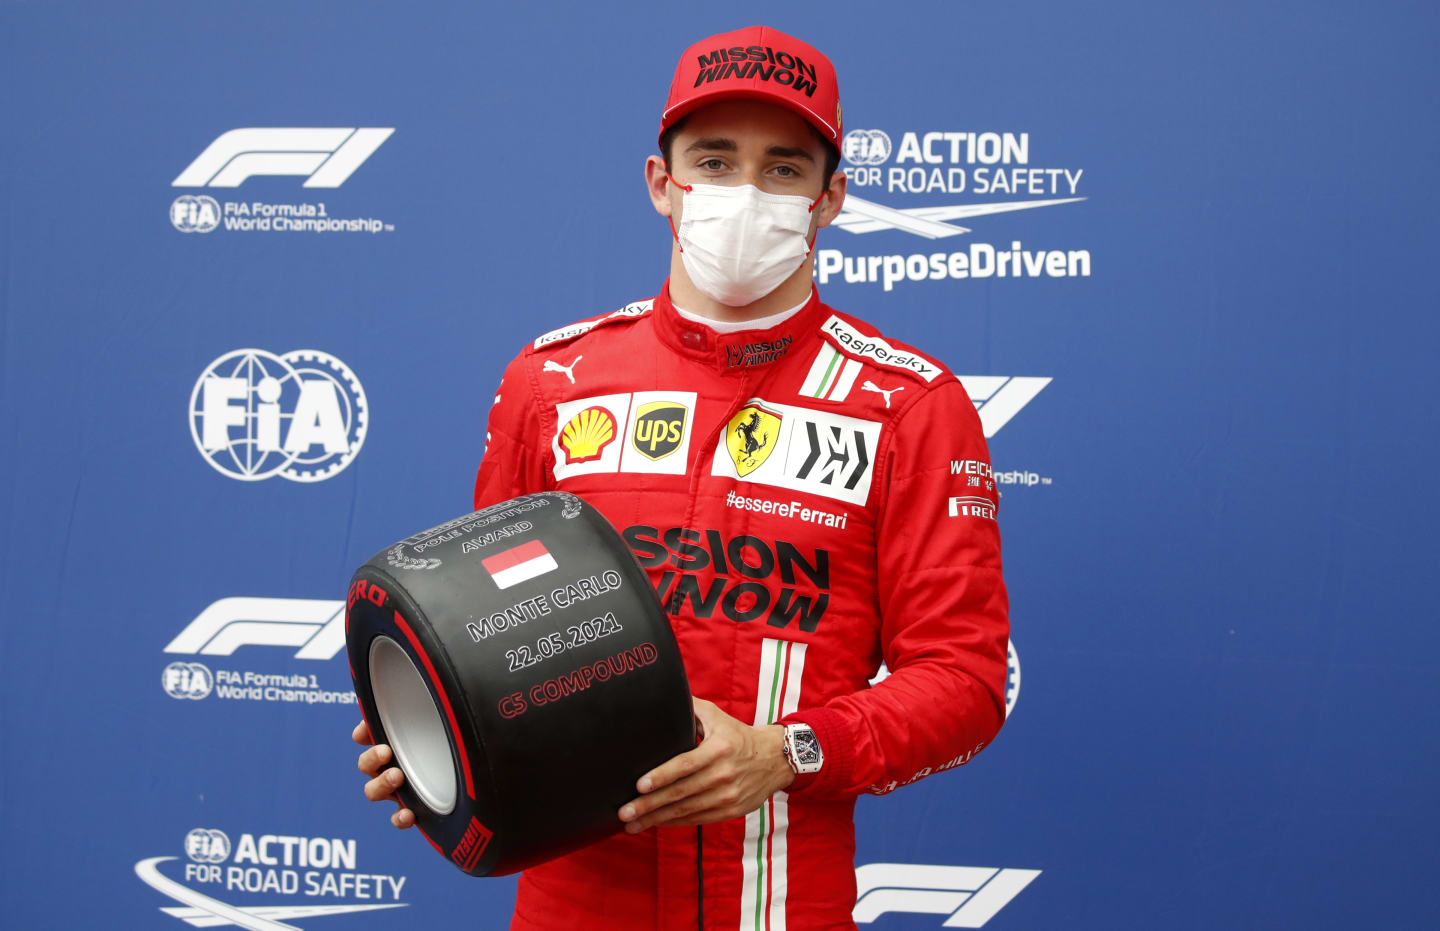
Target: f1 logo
316	626
324	157
969	895
997	398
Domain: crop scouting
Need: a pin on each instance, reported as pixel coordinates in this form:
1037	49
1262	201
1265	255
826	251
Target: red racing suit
808	501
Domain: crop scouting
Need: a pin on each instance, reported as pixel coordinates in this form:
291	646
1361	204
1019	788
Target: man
808	498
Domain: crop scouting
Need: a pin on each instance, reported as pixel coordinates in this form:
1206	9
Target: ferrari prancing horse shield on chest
751	436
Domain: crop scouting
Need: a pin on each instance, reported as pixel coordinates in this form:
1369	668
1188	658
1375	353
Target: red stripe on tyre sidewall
444	700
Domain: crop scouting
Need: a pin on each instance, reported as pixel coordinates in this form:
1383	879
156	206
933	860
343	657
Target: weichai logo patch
757	61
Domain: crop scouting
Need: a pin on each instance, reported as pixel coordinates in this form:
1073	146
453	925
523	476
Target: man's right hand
382	785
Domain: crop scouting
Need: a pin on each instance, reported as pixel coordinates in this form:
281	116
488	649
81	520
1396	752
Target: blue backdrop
1209	368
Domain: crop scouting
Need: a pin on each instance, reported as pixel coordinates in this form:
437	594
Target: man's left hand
732	772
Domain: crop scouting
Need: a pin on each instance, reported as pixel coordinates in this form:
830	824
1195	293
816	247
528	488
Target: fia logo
301	415
192	681
867	146
195	213
207	845
323	157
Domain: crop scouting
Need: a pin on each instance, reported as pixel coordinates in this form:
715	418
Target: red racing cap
757	63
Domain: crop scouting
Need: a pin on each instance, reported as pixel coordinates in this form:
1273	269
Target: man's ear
658	186
830	207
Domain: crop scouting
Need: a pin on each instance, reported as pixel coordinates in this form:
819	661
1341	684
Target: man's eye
712	164
785	171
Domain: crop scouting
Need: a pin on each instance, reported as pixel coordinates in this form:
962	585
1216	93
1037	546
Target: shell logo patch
586	435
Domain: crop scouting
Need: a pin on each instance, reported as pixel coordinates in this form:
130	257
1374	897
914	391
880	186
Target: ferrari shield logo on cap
751	436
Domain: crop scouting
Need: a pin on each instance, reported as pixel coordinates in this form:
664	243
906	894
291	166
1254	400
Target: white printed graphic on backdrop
997	399
933	165
324	156
301	415
303	869
306	629
968	895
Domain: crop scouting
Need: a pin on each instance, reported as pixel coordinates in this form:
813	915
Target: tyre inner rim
413	725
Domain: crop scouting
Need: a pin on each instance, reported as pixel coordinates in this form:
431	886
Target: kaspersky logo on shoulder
920	185
325	157
267	882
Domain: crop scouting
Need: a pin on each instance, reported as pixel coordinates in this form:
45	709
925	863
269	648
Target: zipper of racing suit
709	444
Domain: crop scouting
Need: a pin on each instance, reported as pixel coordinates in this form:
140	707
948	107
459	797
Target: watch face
807	748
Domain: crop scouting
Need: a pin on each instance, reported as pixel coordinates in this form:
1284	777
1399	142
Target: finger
687	763
717	744
713	804
403	818
361	733
374	759
683	788
384	785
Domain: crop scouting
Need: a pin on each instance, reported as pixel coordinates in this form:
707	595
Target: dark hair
832	155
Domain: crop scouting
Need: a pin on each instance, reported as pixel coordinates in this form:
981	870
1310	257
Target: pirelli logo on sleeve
878	350
799	448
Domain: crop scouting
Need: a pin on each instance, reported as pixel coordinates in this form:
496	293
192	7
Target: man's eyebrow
712	144
784	151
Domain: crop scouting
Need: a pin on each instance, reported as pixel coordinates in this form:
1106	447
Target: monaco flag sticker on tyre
519	665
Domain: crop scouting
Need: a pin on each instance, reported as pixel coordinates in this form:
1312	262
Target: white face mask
739	243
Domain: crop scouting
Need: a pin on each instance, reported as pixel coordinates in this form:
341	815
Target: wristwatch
802	749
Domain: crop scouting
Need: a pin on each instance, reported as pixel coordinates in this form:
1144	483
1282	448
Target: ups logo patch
659	428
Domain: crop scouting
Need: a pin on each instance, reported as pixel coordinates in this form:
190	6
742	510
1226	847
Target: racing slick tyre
519	665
